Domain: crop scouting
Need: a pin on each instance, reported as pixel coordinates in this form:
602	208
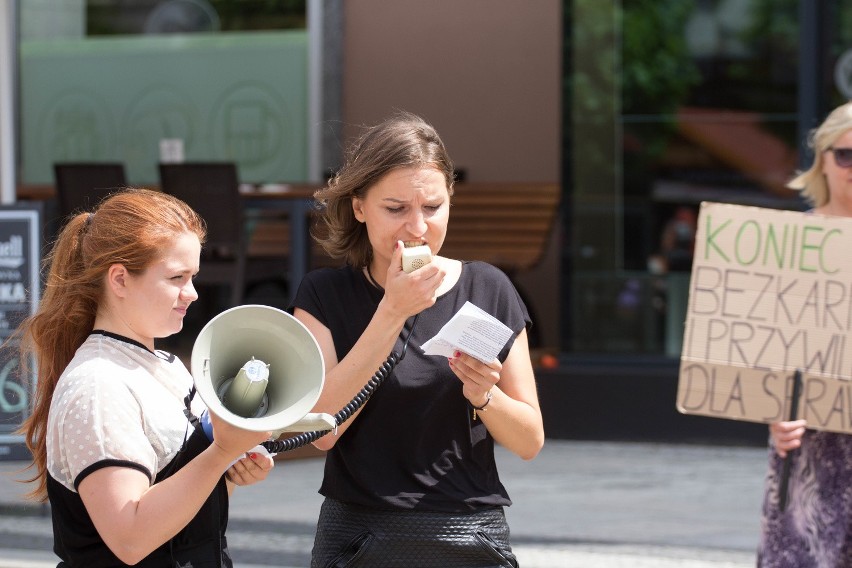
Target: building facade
639	109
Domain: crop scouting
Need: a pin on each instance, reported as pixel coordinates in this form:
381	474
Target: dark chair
80	186
212	189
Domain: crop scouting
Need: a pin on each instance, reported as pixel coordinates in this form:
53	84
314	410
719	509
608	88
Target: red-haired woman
129	479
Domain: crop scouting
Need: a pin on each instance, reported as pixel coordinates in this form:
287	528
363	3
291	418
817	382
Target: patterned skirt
815	529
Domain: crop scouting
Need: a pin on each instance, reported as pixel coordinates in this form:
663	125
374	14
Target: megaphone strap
299	440
187	411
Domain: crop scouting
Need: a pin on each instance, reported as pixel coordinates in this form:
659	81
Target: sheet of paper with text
770	292
471	330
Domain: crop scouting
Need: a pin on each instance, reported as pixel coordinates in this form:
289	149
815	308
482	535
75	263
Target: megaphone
260	369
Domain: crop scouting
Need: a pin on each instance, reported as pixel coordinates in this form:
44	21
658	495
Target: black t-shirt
117	404
415	444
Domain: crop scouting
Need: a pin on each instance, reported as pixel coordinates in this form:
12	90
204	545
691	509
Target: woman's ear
117	280
358	209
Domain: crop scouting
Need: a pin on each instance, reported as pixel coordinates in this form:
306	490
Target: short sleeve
308	297
498	297
96	418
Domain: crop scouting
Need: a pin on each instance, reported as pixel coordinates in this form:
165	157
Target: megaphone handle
299	440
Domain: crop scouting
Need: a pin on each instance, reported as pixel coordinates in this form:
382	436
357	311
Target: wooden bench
505	224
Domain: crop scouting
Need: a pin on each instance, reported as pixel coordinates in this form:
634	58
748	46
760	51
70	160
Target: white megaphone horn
259	368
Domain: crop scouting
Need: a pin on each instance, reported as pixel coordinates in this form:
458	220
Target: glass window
669	103
112	80
119	17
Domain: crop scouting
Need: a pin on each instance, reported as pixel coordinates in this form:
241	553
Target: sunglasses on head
842	157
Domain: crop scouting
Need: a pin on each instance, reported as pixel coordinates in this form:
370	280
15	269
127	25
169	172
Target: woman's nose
417	223
189	292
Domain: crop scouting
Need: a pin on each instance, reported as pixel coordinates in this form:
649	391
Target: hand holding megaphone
257	353
233	440
254	467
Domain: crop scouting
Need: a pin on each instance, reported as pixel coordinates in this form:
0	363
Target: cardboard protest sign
770	292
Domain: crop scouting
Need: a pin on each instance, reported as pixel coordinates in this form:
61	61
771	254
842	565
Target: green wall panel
239	97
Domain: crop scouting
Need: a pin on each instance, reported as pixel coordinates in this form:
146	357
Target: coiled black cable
345	413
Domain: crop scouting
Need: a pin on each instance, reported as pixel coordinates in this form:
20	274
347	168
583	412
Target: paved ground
579	504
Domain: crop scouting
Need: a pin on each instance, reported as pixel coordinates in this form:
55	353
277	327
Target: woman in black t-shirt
410	479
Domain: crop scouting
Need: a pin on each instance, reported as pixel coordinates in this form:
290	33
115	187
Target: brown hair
131	227
402	141
812	181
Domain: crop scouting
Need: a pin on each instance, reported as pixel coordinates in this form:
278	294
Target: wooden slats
270	237
505	224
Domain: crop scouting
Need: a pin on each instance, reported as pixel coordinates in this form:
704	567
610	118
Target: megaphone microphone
245	394
259	368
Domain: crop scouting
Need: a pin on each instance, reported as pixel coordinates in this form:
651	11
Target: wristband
488	396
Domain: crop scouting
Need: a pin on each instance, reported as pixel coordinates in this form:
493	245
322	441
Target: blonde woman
814	529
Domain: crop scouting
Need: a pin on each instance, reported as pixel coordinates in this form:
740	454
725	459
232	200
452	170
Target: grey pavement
578	504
